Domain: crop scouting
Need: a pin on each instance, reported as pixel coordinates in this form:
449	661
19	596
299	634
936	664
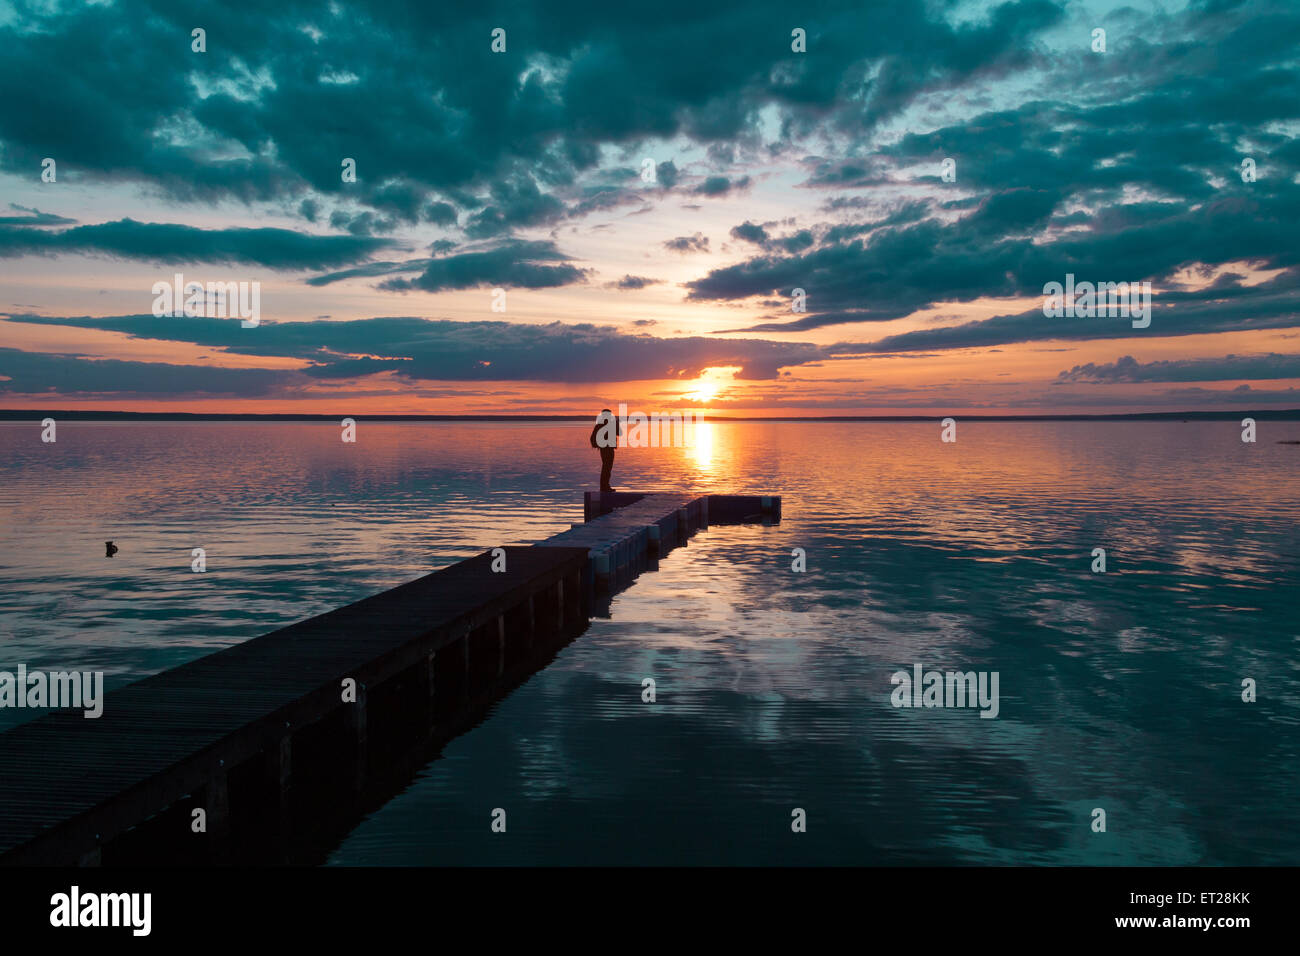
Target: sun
704	393
710	384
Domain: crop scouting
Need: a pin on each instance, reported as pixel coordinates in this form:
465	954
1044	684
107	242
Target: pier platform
264	736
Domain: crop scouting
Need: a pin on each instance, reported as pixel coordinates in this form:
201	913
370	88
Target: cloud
369	270
1128	369
634	282
759	236
515	204
1070	181
414	95
748	232
34	217
715	186
173	243
1241	395
79	376
1120	167
696	243
514	263
429	349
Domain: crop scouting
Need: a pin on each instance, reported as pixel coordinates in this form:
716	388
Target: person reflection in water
604	436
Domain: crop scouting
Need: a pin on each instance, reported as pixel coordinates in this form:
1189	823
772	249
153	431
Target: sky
744	208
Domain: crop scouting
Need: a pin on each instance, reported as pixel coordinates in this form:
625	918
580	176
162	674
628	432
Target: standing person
605	437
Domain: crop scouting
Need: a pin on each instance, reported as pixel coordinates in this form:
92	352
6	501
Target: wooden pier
272	736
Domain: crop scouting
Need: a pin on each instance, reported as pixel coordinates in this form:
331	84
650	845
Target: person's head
604	415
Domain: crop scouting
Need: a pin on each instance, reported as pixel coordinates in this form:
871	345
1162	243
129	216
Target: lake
1119	690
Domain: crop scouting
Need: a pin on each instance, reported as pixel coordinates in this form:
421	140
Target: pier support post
600	565
501	644
283	777
355	717
218	815
431	675
277	780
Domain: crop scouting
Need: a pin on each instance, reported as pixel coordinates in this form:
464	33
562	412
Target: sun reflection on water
702	446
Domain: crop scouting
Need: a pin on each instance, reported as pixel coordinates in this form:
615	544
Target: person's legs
606	467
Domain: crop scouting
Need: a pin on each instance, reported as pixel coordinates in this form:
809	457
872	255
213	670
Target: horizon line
10	414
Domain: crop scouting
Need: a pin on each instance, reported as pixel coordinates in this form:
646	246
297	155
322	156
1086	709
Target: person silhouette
604	436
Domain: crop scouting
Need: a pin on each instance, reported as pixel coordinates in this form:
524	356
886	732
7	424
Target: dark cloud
439	213
748	232
1181	317
414	95
173	243
369	270
515	204
34	217
696	243
759	236
604	197
1136	188
1241	395
1119	167
506	263
512	263
634	282
464	351
1128	369
998	250
846	173
405	202
721	186
82	377
361	223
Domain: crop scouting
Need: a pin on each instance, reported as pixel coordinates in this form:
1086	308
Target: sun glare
703	393
710	384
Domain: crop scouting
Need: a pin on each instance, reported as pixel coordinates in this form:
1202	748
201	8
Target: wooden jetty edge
258	736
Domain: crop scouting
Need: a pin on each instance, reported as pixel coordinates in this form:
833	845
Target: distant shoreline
27	415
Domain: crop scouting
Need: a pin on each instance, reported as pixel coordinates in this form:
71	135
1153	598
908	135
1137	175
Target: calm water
1118	690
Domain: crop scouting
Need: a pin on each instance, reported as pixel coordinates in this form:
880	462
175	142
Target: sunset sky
774	170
